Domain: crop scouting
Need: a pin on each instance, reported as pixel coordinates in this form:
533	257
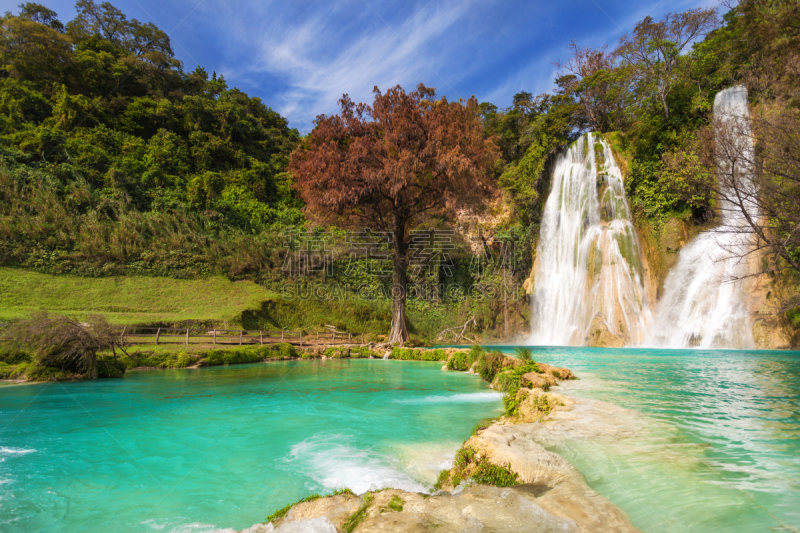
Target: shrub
110	367
62	342
489	365
458	361
478	469
489	474
410	354
475	353
524	353
362	352
444	476
14	356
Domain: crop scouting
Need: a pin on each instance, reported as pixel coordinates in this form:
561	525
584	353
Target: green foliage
510	381
159	359
166	358
248	354
100	123
794	317
280	513
465	456
458	361
411	354
12	355
523	353
361	352
489	365
483	424
444	477
396	504
475	352
110	367
489	474
512	401
356	518
468	464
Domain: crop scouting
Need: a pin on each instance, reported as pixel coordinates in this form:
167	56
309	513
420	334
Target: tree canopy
389	165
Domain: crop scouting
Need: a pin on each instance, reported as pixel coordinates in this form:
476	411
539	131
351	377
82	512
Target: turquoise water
709	441
202	449
717	448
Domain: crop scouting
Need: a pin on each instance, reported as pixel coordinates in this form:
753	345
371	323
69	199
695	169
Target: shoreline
534	489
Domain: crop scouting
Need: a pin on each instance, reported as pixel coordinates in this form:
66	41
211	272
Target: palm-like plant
524	353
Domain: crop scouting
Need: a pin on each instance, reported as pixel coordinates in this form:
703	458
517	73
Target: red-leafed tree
390	165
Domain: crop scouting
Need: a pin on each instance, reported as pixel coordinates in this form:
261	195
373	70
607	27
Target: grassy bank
128	299
20	366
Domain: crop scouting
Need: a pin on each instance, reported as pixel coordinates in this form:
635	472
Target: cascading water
588	278
705	295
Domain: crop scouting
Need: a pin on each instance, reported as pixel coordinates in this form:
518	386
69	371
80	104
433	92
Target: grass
359	516
468	465
128	299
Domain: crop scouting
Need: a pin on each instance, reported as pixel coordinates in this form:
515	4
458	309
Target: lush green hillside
117	167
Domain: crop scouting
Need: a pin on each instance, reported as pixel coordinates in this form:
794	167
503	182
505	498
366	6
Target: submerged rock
540	492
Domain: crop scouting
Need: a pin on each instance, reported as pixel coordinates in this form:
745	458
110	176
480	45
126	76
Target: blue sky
299	57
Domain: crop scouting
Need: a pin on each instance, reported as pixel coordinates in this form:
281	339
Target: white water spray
588	278
701	305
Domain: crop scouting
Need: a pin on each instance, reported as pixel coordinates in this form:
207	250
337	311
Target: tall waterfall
701	306
588	277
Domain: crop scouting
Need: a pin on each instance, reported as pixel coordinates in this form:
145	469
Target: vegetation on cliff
115	161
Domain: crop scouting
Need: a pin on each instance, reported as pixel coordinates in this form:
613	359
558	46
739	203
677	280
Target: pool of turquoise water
717	448
715	445
214	448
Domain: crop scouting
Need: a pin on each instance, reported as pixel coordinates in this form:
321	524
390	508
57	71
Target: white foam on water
332	462
193	527
14	451
470	397
424	461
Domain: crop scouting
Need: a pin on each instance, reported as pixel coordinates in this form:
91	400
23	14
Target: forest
116	161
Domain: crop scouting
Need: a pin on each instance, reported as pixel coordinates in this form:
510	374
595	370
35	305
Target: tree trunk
399	331
666	106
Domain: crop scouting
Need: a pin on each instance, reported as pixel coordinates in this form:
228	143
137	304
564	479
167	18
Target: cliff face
660	250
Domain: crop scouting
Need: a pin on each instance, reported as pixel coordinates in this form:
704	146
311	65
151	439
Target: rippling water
203	449
709	440
716	436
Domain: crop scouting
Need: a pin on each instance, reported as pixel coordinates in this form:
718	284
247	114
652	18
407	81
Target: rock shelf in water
549	495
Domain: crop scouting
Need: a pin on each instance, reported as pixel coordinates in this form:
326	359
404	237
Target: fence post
281	335
215	335
318	338
240	337
362	338
333	337
349	338
301	337
187	335
157	334
261	336
122	337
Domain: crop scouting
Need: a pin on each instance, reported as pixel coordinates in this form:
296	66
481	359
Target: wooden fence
154	335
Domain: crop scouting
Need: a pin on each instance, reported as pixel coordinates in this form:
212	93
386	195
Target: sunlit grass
128	299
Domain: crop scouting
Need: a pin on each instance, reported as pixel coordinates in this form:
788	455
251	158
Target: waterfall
701	305
588	275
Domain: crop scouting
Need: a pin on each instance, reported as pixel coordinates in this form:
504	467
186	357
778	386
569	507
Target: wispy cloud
301	57
344	49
